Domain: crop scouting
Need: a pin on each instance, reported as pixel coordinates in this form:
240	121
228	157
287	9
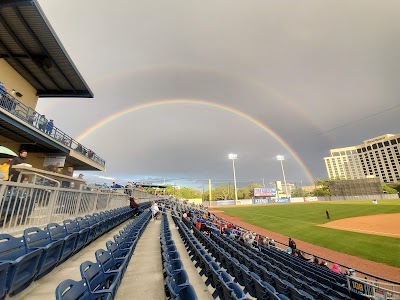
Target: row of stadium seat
258	272
225	287
101	279
177	286
309	272
36	253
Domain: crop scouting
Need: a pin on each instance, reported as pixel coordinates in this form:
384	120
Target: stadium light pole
233	157
281	158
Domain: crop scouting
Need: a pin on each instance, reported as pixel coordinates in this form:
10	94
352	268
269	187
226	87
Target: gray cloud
300	68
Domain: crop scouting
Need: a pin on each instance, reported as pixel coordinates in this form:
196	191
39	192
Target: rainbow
207	103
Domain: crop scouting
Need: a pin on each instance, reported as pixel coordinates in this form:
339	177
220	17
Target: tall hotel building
377	157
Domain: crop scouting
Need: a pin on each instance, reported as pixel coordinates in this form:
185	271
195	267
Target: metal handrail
25	205
35	119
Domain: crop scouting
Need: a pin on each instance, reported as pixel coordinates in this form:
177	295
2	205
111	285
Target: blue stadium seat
36	238
93	227
170	256
186	293
57	233
171	268
215	271
97	280
237	293
177	282
84	223
108	263
73	227
117	252
23	262
79	290
4	269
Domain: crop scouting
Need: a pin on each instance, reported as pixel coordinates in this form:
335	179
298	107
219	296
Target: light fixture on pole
233	157
281	158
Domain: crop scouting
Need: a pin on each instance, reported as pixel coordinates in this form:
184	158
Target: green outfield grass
299	220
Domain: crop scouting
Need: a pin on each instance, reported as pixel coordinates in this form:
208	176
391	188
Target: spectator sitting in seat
155	211
336	269
324	264
135	207
271	243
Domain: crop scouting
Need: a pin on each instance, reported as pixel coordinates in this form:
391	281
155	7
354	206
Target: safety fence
26	205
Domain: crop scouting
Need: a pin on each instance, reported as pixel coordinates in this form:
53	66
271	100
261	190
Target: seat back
70	289
106	260
94	276
91	220
82	222
36	237
57	231
71	226
11	248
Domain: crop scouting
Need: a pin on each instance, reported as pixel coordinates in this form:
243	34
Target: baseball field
378	226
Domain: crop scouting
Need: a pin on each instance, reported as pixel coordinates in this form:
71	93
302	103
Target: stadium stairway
143	279
202	292
44	288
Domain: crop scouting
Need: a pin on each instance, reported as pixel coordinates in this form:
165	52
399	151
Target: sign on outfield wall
281	200
225	202
264	192
262	201
297	199
309	199
244	202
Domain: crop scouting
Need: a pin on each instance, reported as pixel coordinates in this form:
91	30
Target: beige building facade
378	157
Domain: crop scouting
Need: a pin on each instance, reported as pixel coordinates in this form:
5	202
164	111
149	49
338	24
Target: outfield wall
268	200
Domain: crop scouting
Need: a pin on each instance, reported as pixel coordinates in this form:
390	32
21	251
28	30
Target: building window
380	145
393	142
386	143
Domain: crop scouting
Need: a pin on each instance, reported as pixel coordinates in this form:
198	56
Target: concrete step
202	291
143	279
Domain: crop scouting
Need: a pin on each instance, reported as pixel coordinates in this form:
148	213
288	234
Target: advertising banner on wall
244	202
261	200
225	202
309	199
297	199
281	200
264	192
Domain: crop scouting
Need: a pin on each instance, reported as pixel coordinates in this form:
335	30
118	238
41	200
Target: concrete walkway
143	279
45	287
198	283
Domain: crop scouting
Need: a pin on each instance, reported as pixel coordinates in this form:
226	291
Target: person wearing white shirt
155	211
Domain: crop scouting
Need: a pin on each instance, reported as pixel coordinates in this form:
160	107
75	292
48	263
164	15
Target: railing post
108	201
52	202
95	201
2	193
78	203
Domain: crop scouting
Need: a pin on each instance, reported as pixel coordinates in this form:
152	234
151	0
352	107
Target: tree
300	193
223	192
388	190
321	192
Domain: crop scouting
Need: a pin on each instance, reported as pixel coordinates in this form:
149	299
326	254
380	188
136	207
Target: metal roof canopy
30	45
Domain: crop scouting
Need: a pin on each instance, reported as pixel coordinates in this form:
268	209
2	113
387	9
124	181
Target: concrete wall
13	80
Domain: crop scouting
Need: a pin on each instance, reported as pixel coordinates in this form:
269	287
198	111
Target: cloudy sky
201	79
